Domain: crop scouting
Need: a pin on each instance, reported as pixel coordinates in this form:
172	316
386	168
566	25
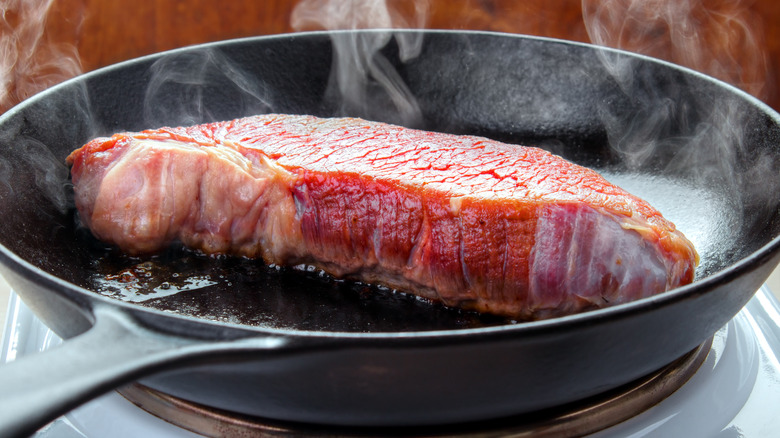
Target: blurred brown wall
106	32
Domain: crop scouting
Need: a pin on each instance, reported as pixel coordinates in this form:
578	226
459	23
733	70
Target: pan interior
717	184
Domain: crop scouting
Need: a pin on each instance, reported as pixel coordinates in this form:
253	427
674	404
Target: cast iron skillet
290	345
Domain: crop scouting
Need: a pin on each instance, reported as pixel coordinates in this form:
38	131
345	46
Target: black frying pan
291	345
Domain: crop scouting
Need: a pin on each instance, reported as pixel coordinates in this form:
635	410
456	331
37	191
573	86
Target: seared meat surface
464	220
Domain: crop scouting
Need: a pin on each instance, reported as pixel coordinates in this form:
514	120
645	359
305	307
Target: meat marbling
463	220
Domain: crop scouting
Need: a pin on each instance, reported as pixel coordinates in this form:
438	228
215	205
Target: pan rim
563	323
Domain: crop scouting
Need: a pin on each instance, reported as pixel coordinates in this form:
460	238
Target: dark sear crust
467	221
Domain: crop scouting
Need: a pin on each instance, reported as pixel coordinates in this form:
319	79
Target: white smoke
361	76
722	39
31	60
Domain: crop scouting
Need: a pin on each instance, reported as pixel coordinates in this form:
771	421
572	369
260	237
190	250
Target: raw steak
463	220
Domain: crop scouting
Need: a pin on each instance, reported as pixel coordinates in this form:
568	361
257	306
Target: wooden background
735	41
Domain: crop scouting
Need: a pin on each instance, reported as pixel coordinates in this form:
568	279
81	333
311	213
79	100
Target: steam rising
30	59
720	39
362	80
179	82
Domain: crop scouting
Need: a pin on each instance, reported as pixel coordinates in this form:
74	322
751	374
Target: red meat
464	220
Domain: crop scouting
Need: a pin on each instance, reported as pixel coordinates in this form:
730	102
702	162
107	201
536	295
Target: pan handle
37	389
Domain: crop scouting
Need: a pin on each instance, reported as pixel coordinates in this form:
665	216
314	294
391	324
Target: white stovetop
773	283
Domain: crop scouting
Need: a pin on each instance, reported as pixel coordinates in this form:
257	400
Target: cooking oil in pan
246	291
140	282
